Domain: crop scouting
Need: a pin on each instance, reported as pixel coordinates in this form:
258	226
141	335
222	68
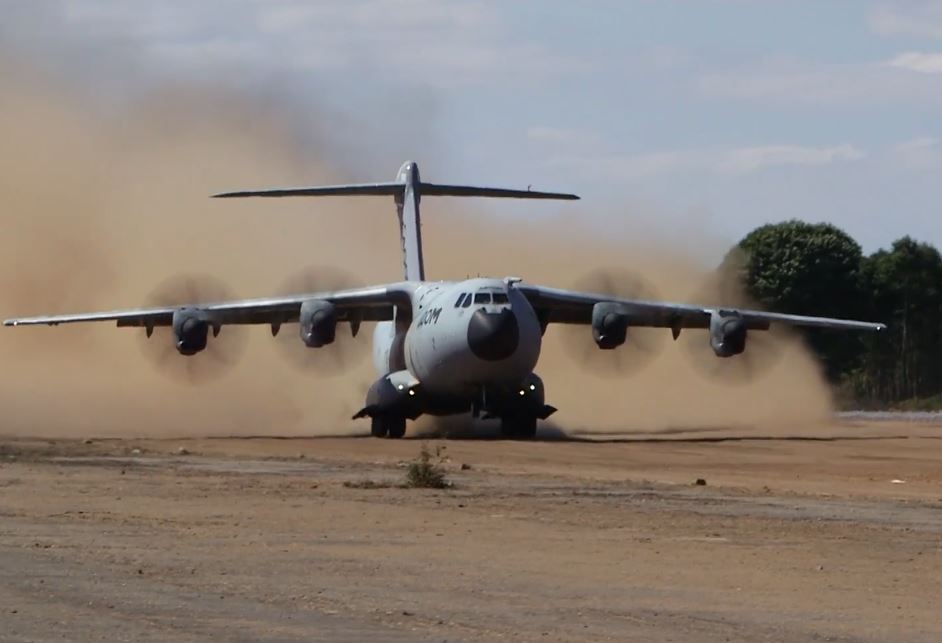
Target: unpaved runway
801	537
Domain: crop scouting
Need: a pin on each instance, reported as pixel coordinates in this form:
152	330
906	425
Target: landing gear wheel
378	428
396	426
391	426
518	427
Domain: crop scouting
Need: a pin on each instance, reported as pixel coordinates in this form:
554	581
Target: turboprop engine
609	325
191	330
727	333
318	321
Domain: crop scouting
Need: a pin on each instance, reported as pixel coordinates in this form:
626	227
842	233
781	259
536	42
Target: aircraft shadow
483	432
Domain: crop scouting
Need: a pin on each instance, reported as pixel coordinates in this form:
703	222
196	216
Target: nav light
533	387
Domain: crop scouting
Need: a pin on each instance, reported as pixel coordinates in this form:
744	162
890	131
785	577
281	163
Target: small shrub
425	474
367	484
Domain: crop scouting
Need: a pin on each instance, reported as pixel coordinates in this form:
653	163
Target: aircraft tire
396	426
518	427
378	428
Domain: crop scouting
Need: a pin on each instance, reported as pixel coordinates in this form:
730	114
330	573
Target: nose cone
493	336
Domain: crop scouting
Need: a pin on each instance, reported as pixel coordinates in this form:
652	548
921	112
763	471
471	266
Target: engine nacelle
318	321
727	333
609	325
190	331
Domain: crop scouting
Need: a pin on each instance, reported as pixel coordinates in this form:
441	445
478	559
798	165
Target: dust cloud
100	206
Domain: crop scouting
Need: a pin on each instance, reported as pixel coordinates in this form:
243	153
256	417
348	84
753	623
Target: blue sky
666	115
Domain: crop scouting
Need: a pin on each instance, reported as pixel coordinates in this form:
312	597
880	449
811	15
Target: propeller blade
642	344
763	350
333	359
222	352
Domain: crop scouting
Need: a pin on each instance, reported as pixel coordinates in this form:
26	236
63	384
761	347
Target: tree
806	269
906	287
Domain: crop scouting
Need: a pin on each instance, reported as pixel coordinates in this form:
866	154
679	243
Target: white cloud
751	159
813	83
415	41
921	143
918	154
915	61
727	161
922	19
561	135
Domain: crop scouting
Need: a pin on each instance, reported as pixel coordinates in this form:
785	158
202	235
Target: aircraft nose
493	336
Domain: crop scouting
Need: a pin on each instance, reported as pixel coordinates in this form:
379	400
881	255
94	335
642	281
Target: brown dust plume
98	208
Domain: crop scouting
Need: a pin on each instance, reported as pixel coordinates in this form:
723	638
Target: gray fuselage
462	338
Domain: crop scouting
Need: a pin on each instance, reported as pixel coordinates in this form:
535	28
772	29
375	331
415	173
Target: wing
375	303
569	307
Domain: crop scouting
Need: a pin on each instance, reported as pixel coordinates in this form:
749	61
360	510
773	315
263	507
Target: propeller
222	352
641	345
763	347
763	350
334	358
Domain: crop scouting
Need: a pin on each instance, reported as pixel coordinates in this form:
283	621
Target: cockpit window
467	300
482	298
460	299
500	298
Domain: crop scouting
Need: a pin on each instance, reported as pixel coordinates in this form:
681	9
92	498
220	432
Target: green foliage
805	269
905	286
423	473
933	403
817	269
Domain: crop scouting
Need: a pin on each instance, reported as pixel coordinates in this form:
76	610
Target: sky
686	118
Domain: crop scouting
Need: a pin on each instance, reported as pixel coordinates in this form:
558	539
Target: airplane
445	348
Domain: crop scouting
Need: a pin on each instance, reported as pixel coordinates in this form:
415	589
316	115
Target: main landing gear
518	426
387	425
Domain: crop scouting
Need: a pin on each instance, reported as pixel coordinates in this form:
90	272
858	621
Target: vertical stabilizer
410	221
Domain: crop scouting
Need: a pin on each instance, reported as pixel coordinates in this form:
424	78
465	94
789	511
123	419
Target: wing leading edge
374	303
572	307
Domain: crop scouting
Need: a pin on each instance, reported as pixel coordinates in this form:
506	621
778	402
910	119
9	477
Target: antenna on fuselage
407	190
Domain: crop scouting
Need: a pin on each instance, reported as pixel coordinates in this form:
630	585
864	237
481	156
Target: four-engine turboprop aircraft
445	348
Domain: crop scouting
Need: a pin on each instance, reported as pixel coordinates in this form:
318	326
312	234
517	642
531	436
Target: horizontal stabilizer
396	189
369	189
432	189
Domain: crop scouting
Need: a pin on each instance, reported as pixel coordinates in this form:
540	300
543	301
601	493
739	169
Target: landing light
411	391
522	392
401	386
533	387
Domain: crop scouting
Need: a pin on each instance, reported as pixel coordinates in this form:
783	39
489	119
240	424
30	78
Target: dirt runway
833	534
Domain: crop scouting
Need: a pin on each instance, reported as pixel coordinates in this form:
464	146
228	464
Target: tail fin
408	190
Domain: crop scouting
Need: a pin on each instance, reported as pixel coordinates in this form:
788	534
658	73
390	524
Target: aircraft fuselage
467	345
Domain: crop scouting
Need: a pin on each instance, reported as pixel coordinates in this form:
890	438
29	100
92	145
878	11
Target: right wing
376	303
571	307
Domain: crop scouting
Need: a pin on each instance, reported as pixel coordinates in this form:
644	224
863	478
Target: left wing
554	305
375	303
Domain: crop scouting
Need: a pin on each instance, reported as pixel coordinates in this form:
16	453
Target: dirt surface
802	537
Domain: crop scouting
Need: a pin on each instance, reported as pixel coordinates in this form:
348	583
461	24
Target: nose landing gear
518	408
390	401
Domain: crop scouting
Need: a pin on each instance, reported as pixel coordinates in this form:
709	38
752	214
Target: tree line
818	269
